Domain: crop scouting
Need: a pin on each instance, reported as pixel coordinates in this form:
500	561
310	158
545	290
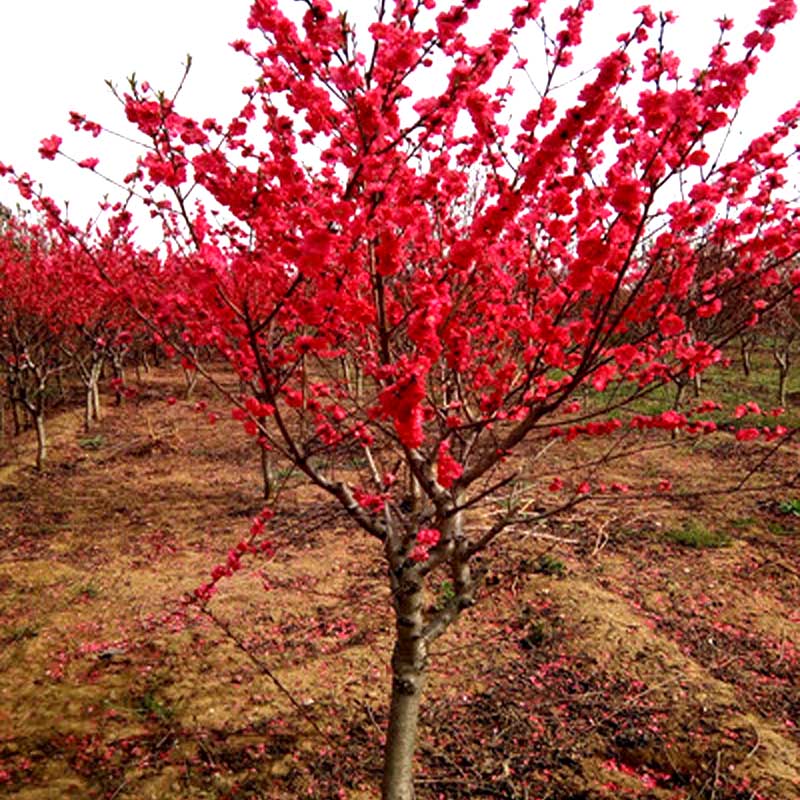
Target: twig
262	667
119	789
602	538
756	745
373	720
716	775
549	537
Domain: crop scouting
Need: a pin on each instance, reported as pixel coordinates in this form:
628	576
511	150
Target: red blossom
48	148
448	469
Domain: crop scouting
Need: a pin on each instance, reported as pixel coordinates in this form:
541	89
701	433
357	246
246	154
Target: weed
537	634
20	633
92	442
150	706
791	506
88	591
550	565
778	529
445	594
695	534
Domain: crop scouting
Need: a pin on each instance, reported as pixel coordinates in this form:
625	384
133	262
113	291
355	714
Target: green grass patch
791	507
20	633
550	565
779	529
149	705
698	536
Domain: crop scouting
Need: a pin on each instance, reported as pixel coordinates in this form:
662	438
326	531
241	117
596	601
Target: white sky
56	54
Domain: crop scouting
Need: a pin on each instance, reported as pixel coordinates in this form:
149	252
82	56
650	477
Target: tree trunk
679	387
747	365
62	395
697	382
96	398
409	668
782	375
41	441
15	414
92	381
88	411
401	742
190	377
782	359
119	377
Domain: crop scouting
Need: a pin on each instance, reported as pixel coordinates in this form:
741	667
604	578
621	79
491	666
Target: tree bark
96	399
679	387
91	381
119	376
88	415
15	414
41	441
190	377
782	359
783	374
744	349
409	672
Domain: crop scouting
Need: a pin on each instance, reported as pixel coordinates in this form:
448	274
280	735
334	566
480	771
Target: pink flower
48	148
429	536
448	469
671	325
426	538
419	554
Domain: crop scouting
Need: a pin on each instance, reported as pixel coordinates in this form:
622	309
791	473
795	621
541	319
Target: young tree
31	287
536	303
782	330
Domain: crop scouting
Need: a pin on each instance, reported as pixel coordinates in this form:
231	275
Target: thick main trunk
409	667
401	741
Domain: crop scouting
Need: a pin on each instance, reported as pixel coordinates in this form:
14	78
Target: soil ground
647	647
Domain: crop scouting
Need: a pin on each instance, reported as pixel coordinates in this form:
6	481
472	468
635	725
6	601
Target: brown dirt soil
627	664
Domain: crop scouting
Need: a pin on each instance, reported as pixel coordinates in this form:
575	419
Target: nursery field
637	647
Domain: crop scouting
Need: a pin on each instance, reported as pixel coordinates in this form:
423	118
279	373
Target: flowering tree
31	289
397	272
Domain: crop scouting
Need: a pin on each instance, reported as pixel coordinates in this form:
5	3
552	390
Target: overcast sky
55	56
